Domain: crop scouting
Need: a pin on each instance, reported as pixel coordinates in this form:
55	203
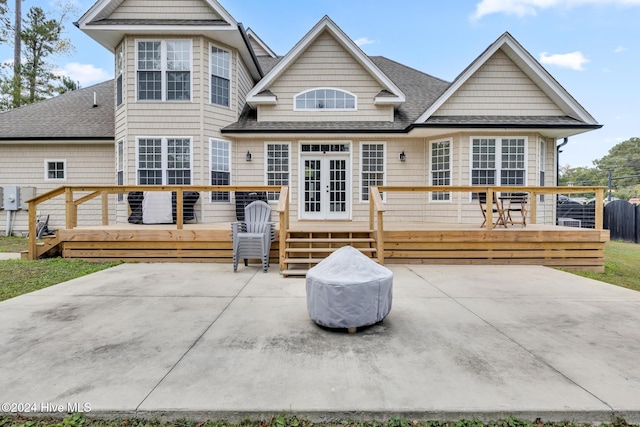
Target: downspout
558	151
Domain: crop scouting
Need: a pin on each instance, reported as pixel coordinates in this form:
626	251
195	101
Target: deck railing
377	207
103	191
75	196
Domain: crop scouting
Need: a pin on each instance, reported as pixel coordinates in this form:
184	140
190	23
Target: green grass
79	420
13	244
19	276
621	267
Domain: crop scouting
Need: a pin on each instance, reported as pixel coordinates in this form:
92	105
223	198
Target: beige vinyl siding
86	163
499	88
246	173
257	49
325	64
244	84
217	116
163	9
546	211
196	119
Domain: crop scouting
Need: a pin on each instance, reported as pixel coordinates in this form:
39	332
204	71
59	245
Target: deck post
533	211
283	209
179	209
375	204
33	246
380	238
69	208
371	215
105	208
599	219
489	210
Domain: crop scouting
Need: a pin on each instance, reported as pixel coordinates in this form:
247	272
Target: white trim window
220	64
220	166
119	75
163	70
498	161
120	167
55	170
325	99
441	168
372	161
277	166
164	161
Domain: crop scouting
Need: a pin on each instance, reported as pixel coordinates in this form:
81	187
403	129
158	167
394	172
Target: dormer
325	77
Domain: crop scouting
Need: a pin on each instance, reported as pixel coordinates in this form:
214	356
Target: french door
325	187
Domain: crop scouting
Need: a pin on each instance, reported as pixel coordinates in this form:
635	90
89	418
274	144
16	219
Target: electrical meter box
11	197
26	193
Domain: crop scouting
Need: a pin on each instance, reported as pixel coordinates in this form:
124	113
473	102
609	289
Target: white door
325	187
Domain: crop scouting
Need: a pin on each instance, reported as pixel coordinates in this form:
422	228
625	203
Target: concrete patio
198	341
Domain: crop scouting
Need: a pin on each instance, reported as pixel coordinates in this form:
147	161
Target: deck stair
49	247
304	249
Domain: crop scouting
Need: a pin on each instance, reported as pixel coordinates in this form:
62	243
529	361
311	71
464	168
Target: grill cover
348	290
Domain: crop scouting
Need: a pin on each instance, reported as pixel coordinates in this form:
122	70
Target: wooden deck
309	242
301	244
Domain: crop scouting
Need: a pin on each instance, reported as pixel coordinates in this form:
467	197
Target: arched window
325	99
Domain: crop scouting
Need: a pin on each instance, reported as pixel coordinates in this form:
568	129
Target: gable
325	64
161	9
389	95
259	47
499	88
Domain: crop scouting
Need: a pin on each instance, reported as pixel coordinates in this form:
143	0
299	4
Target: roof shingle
67	116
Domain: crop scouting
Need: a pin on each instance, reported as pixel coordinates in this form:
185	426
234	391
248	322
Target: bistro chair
517	203
252	237
497	211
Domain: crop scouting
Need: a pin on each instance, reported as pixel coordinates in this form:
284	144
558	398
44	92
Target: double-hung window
164	70
277	167
498	161
441	168
119	74
372	169
164	161
220	168
220	76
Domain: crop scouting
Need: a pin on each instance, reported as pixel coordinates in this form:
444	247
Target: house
65	140
199	100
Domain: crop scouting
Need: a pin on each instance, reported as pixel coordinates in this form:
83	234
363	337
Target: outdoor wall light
248	157
403	157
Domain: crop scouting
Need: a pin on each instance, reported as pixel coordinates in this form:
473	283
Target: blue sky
592	47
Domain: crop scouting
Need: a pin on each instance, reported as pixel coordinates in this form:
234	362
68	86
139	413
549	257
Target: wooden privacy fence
622	219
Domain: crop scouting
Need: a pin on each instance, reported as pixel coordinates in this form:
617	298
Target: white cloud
619	49
573	60
531	7
86	74
363	41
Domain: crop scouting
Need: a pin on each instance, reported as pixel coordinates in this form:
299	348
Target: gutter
411	127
